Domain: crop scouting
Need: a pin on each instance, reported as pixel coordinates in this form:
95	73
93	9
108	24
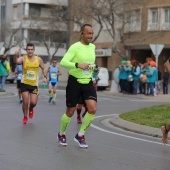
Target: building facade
38	22
143	23
151	26
135	25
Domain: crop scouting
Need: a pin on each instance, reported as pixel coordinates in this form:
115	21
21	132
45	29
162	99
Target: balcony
39	25
41	50
166	26
153	26
53	44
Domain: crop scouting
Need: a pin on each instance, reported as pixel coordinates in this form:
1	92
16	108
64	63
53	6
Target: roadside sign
156	49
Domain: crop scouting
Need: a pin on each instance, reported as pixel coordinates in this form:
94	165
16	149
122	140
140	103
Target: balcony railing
51	44
41	44
166	25
153	26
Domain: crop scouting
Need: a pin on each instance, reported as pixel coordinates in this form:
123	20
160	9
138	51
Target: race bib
86	71
91	67
31	75
53	75
89	70
20	76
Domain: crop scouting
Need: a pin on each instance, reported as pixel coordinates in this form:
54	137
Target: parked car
11	77
103	81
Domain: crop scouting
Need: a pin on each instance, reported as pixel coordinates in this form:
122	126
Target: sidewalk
160	97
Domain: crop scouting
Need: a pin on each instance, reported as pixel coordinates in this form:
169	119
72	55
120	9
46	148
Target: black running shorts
75	91
30	89
18	84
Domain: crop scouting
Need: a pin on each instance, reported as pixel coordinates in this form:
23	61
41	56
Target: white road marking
118	134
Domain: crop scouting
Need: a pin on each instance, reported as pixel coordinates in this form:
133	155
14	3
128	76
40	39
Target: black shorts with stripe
75	91
30	89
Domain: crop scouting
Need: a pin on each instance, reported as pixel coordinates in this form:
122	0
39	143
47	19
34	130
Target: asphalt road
34	146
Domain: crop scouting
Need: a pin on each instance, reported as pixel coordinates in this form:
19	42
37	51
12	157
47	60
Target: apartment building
151	26
38	22
143	23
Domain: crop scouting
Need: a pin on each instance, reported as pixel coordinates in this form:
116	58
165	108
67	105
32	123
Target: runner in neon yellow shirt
80	60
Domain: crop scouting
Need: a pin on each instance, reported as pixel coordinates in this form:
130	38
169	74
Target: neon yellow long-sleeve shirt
79	53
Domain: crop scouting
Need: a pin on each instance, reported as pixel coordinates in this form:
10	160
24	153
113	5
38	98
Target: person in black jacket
165	79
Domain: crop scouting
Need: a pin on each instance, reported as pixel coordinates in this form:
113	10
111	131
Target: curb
160	97
133	127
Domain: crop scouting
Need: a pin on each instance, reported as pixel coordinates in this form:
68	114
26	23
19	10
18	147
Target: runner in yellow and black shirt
29	82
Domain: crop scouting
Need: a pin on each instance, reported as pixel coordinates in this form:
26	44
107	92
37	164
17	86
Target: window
3	10
45	12
166	18
35	10
133	21
153	19
15	9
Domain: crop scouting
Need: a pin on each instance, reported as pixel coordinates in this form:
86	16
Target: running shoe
62	139
79	119
49	101
25	120
81	141
31	113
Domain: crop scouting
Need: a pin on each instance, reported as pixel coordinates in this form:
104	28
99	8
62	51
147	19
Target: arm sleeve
66	60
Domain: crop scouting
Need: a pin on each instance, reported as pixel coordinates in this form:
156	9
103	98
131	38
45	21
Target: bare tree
8	37
116	16
49	29
108	14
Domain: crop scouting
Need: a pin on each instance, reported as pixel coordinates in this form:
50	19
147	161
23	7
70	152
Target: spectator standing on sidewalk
147	70
152	77
165	79
4	71
159	82
122	76
143	79
128	70
136	76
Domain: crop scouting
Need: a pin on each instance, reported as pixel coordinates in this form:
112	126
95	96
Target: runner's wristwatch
76	64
